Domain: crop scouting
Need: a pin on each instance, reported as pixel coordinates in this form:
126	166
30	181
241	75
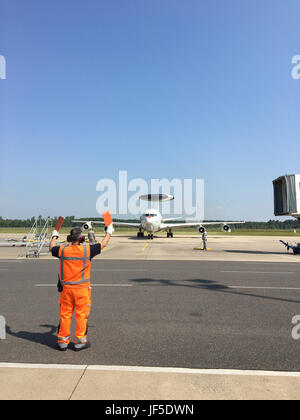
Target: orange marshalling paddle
107	218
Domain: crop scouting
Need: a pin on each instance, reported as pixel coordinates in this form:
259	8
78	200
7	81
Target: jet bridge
287	196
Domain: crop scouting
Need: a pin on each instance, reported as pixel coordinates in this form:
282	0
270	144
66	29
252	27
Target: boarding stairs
37	238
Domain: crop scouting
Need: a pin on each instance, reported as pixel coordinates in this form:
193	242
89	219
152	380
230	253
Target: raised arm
109	232
53	240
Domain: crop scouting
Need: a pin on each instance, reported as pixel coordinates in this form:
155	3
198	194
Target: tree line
27	223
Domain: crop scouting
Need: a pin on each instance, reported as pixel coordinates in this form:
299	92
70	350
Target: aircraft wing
172	218
193	224
136	225
221	223
178	225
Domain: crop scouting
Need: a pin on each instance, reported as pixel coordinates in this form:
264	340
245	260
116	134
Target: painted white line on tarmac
111	285
146	369
118	269
46	285
40	366
206	287
259	272
92	285
194	371
269	262
262	287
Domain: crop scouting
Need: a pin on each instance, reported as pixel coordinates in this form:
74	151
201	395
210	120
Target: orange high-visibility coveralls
75	268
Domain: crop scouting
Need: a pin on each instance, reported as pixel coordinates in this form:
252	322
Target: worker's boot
80	344
63	343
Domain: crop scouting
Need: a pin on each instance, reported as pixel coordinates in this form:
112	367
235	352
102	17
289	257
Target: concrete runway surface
181	247
191	314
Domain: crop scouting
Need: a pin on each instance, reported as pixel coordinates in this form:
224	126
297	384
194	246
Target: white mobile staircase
36	241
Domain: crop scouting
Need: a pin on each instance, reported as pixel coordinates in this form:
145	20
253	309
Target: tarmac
183	247
178	323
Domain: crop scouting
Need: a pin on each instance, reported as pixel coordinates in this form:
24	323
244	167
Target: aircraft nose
149	226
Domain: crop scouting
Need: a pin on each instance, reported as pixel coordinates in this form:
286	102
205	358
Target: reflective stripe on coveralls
82	274
64	340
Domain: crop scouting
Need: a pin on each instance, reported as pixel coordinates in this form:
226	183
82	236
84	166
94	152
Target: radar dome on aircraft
157	197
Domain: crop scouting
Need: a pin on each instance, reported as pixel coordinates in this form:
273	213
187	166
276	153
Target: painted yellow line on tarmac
147	244
108	248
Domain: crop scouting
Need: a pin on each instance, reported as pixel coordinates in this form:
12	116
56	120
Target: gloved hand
59	285
110	229
55	234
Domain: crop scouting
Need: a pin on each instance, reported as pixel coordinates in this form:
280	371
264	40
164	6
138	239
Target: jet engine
87	226
225	228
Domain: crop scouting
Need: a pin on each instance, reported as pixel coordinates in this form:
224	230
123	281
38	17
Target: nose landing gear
150	236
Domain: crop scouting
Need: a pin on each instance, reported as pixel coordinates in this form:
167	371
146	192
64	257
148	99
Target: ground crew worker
74	284
204	240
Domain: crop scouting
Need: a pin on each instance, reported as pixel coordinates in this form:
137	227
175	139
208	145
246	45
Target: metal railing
36	241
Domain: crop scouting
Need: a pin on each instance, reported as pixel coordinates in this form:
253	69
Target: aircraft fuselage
151	221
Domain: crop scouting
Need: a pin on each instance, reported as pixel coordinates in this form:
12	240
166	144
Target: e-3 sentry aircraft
151	221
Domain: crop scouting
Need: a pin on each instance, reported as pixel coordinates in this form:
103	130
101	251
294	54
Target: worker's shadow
47	338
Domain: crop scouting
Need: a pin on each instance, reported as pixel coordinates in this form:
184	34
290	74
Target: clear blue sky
162	89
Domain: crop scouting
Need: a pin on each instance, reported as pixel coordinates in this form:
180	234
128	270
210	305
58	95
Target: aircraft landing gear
169	234
150	236
140	234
